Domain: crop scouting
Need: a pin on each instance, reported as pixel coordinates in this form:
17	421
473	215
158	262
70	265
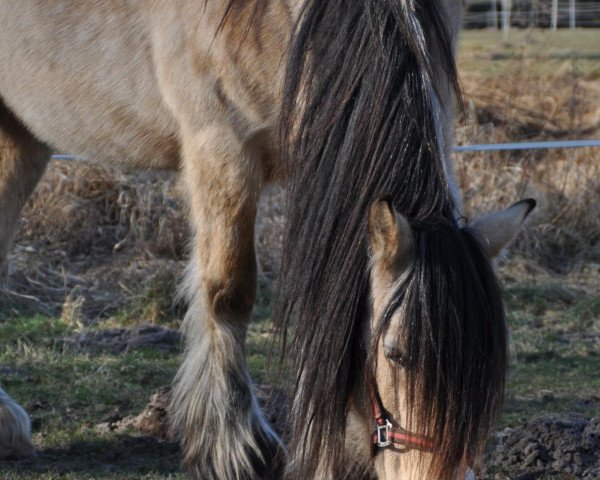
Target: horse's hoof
15	429
238	455
226	437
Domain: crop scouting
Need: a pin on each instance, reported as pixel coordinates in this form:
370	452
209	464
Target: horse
388	307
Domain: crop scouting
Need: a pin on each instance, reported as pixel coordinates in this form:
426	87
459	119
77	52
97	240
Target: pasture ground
69	278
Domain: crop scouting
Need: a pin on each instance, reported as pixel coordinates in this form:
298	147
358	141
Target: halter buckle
383	435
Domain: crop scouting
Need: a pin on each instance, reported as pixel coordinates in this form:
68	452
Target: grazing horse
388	305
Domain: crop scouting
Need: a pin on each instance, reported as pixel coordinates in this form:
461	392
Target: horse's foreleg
214	411
23	160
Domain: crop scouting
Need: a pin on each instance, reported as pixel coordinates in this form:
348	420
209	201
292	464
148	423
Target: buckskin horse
389	309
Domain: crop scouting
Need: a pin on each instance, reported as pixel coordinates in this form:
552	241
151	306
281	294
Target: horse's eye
396	357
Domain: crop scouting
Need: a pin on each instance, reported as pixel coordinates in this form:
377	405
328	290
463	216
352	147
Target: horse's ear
390	234
497	230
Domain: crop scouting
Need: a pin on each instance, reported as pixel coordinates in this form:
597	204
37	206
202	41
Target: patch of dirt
121	340
549	446
154	419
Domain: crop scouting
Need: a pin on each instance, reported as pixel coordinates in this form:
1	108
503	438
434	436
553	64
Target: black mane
357	125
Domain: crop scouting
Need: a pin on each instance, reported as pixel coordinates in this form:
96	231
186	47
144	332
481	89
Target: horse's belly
80	77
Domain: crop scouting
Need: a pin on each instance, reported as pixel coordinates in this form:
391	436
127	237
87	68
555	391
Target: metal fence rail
503	147
485	147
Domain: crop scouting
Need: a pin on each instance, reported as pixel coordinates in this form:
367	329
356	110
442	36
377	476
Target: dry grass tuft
89	209
94	240
521	106
97	240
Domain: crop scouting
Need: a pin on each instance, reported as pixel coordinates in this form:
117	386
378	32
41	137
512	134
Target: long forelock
455	335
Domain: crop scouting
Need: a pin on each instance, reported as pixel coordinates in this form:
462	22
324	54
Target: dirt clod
121	340
549	446
154	419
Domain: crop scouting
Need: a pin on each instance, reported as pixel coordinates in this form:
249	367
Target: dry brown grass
565	230
94	240
93	209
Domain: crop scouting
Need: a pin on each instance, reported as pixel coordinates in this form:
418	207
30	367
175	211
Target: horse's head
438	336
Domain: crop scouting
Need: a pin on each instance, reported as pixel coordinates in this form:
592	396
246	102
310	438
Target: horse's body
194	86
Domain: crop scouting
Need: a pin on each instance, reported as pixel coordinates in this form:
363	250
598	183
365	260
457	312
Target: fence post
572	13
532	15
506	7
494	14
554	14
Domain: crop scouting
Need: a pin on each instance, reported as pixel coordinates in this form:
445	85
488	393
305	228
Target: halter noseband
386	433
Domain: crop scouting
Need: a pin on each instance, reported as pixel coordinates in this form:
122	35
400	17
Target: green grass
68	393
555	336
541	52
556	340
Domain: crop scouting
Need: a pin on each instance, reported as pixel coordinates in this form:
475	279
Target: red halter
385	433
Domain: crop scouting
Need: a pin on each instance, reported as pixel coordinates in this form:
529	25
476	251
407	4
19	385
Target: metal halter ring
383	435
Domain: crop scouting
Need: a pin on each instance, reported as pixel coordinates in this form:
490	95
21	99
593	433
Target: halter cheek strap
386	434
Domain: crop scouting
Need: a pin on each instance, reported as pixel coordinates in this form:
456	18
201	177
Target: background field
100	252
